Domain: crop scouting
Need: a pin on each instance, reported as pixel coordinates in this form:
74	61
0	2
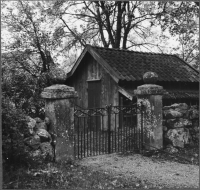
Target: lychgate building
104	76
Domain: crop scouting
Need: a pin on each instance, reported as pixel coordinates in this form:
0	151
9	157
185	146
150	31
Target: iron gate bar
118	138
96	133
120	142
99	139
111	138
115	133
84	135
134	138
78	138
126	136
131	144
141	128
138	134
109	125
104	141
129	137
75	146
87	140
81	145
90	137
93	140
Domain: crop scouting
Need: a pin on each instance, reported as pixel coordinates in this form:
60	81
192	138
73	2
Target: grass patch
62	176
187	155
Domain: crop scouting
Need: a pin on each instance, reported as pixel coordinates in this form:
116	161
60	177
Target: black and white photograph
100	94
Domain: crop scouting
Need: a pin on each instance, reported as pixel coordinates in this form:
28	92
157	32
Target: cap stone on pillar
58	91
150	78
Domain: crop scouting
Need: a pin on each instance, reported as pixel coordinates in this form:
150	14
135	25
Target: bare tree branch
73	33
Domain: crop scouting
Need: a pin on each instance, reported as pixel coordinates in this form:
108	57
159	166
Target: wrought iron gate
107	130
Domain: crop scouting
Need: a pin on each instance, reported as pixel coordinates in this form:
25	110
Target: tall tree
182	21
32	42
108	23
28	47
128	24
56	27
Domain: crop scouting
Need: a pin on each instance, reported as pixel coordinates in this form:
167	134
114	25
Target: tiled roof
131	65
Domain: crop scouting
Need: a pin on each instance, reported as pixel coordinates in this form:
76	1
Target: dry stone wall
39	139
180	126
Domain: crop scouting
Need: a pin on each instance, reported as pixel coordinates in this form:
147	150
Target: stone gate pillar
150	95
59	108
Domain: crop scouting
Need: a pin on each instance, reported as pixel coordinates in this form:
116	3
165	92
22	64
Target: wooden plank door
94	98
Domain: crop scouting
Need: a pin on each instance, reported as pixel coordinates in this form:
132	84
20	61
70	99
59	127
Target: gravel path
161	174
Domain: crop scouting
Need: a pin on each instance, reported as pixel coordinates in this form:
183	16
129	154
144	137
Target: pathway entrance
151	172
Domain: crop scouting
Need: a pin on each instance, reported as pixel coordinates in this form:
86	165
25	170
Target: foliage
26	61
20	97
123	24
56	30
181	20
107	23
13	125
129	25
32	41
22	89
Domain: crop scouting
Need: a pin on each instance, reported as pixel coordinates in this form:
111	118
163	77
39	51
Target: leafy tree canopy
130	25
44	30
33	44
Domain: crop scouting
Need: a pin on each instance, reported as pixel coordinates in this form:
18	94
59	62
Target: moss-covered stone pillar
150	95
59	108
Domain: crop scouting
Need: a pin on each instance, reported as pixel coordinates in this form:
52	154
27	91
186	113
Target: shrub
20	98
13	130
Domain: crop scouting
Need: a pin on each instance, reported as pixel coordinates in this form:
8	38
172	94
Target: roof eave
186	63
77	62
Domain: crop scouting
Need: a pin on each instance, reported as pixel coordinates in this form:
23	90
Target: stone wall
39	139
180	125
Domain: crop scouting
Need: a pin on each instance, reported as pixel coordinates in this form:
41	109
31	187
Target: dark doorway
94	97
94	94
